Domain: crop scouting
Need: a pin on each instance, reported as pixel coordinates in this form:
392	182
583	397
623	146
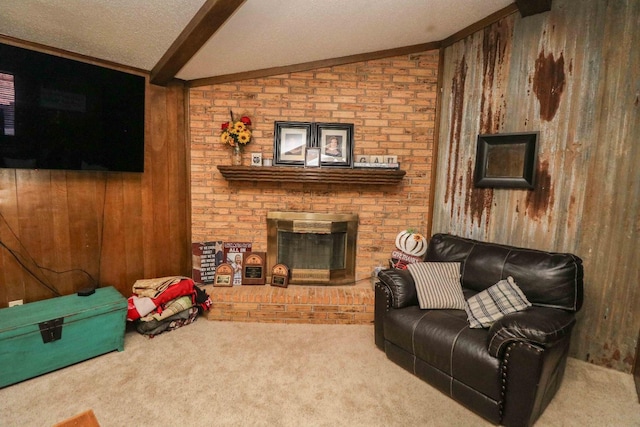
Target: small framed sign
253	271
256	159
280	276
224	275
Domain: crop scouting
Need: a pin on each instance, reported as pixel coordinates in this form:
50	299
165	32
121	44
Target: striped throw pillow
495	302
438	285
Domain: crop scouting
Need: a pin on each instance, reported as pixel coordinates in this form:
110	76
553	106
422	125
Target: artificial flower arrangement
236	133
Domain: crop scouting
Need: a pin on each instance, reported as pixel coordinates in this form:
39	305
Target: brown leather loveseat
508	372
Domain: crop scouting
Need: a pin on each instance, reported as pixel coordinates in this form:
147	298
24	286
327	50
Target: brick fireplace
391	103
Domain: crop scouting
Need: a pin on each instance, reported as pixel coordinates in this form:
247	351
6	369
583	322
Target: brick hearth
295	304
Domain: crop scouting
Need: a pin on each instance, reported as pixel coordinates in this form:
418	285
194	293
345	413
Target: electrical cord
28	270
18	259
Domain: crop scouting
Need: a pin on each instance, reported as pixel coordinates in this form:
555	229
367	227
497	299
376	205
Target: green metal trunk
43	336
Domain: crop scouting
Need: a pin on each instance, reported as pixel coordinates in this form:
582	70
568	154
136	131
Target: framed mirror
506	160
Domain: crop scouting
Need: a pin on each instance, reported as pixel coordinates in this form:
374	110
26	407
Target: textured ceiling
129	32
261	33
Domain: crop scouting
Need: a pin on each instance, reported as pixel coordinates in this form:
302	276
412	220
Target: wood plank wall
113	228
574	75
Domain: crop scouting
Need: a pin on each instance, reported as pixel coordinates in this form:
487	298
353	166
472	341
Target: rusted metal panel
572	74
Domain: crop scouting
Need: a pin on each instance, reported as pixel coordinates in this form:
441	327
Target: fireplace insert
318	248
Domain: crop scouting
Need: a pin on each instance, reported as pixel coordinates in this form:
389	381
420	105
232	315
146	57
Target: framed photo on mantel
336	144
290	142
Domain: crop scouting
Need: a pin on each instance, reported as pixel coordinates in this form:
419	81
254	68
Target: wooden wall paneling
61	237
113	251
86	201
12	277
33	218
132	232
158	185
178	175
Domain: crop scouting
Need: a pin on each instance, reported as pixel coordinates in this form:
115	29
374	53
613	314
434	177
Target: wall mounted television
58	113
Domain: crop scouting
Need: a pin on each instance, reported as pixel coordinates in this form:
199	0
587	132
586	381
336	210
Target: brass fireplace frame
318	223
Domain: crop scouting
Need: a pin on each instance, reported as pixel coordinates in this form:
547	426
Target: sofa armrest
539	326
401	286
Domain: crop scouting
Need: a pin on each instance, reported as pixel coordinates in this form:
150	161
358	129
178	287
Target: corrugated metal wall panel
574	75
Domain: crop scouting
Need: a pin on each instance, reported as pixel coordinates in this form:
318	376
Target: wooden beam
305	66
532	7
211	16
483	23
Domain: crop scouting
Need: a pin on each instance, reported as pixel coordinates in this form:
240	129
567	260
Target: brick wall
391	103
295	304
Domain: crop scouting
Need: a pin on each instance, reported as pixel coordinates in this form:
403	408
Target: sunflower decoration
236	133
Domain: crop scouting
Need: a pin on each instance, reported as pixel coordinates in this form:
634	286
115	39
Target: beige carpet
251	374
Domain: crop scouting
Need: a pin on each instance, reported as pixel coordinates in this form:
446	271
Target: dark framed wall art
506	160
290	142
335	141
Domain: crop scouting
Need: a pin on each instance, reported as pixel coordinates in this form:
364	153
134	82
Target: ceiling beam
306	66
532	7
211	16
483	23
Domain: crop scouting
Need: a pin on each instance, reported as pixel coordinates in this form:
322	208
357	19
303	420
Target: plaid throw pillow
493	303
438	284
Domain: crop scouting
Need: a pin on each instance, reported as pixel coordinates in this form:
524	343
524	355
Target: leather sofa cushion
548	279
443	340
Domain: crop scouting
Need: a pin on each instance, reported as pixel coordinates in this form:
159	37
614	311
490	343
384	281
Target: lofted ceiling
204	39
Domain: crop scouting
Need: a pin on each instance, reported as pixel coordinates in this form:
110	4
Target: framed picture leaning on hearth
335	141
290	140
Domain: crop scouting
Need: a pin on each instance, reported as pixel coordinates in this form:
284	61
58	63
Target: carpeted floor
253	374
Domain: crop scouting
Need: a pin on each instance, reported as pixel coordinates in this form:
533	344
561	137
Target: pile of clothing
166	303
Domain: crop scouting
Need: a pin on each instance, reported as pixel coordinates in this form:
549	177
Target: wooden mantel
373	176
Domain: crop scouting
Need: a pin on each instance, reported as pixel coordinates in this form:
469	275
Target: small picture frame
290	140
256	159
224	275
312	158
253	269
280	276
335	141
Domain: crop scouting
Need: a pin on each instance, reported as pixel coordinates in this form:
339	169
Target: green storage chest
43	336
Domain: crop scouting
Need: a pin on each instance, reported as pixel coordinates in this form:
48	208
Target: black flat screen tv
58	113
